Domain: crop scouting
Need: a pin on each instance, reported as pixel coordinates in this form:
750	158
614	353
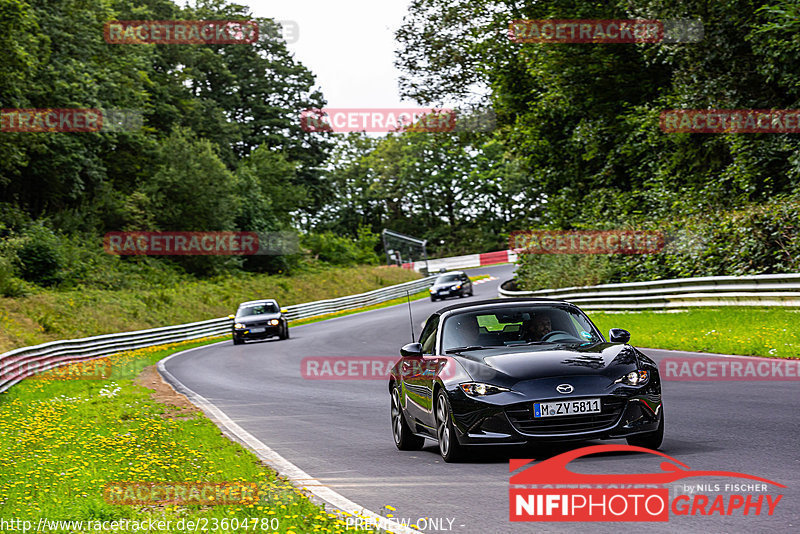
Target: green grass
62	441
747	331
393	302
51	315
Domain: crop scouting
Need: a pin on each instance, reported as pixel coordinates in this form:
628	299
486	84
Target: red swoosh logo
554	470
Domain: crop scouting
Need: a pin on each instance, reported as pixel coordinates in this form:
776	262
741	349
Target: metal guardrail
322	307
21	363
751	290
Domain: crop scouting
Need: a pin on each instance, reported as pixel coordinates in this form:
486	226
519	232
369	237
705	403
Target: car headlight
273	322
456	287
239	325
634	378
432	290
478	389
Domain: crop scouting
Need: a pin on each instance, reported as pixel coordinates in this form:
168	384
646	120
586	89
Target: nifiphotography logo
549	491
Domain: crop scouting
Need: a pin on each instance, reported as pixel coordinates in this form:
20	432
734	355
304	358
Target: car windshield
521	325
257	309
448	278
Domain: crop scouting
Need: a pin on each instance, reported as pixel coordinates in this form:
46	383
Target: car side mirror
618	335
284	310
231	317
412	350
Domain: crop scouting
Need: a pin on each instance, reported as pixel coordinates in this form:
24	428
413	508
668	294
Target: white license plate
258	330
571	407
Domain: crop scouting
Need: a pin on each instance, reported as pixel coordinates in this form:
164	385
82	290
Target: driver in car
536	328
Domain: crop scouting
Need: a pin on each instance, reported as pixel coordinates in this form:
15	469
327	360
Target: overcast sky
348	44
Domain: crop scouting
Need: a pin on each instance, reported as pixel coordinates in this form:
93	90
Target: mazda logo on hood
564	388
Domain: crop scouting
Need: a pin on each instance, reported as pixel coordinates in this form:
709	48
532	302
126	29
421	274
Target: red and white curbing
464	262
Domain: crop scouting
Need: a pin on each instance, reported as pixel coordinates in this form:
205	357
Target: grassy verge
51	315
743	330
64	440
393	302
317	318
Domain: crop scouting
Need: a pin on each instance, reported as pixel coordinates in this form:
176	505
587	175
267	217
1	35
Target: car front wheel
449	447
650	440
404	439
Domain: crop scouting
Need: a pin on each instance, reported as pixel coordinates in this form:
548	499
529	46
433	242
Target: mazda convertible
521	371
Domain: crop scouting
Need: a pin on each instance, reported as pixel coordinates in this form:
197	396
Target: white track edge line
274	460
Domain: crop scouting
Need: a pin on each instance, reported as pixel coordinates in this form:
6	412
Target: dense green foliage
577	143
221	147
581	123
757	239
460	191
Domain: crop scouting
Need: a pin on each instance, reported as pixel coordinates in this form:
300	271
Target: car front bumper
443	293
247	333
480	423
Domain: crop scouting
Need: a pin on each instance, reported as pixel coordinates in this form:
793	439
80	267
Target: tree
192	189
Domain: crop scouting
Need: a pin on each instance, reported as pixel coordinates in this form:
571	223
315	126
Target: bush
542	271
39	256
10	285
758	239
340	250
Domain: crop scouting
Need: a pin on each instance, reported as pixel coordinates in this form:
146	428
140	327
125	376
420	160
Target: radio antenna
410	317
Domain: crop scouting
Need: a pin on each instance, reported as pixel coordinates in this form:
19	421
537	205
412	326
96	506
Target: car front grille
259	324
521	417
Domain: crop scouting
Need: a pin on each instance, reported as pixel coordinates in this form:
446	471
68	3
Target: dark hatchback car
452	284
259	319
519	371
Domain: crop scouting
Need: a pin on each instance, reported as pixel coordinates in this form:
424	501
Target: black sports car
259	319
517	371
452	284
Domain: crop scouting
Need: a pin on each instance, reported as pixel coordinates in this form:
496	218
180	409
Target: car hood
250	319
508	365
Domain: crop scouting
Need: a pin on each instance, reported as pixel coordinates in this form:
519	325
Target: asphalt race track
339	431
